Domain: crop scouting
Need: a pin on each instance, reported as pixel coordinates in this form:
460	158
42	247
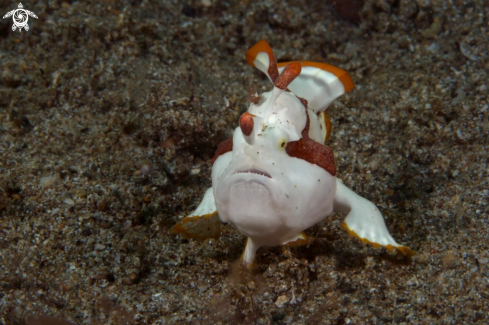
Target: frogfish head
259	186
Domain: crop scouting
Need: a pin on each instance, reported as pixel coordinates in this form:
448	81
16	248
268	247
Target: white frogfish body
276	177
268	195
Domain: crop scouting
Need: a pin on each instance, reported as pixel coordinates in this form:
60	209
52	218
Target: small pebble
82	194
448	260
99	247
433	30
69	201
374	165
146	168
48	181
282	300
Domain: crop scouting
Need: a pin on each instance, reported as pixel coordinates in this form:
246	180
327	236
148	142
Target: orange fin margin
403	249
262	46
300	241
199	227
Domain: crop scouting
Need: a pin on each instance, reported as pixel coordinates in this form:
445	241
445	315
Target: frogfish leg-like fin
203	223
249	253
299	240
364	220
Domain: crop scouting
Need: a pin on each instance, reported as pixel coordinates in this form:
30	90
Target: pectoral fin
203	223
364	220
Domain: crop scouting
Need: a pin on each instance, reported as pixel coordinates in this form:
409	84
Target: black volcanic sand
111	111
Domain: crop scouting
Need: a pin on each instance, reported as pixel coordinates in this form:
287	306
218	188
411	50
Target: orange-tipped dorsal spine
263	47
291	71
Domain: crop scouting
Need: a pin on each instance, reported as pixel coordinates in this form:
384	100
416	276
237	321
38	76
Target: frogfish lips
254	171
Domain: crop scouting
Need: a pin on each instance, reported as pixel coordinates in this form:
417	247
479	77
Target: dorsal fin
319	83
261	57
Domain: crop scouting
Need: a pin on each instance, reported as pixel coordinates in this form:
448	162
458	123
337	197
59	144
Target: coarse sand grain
110	113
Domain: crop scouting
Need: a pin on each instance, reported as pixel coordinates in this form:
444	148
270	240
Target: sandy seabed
110	113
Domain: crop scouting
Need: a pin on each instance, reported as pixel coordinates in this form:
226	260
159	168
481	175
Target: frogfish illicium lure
276	177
